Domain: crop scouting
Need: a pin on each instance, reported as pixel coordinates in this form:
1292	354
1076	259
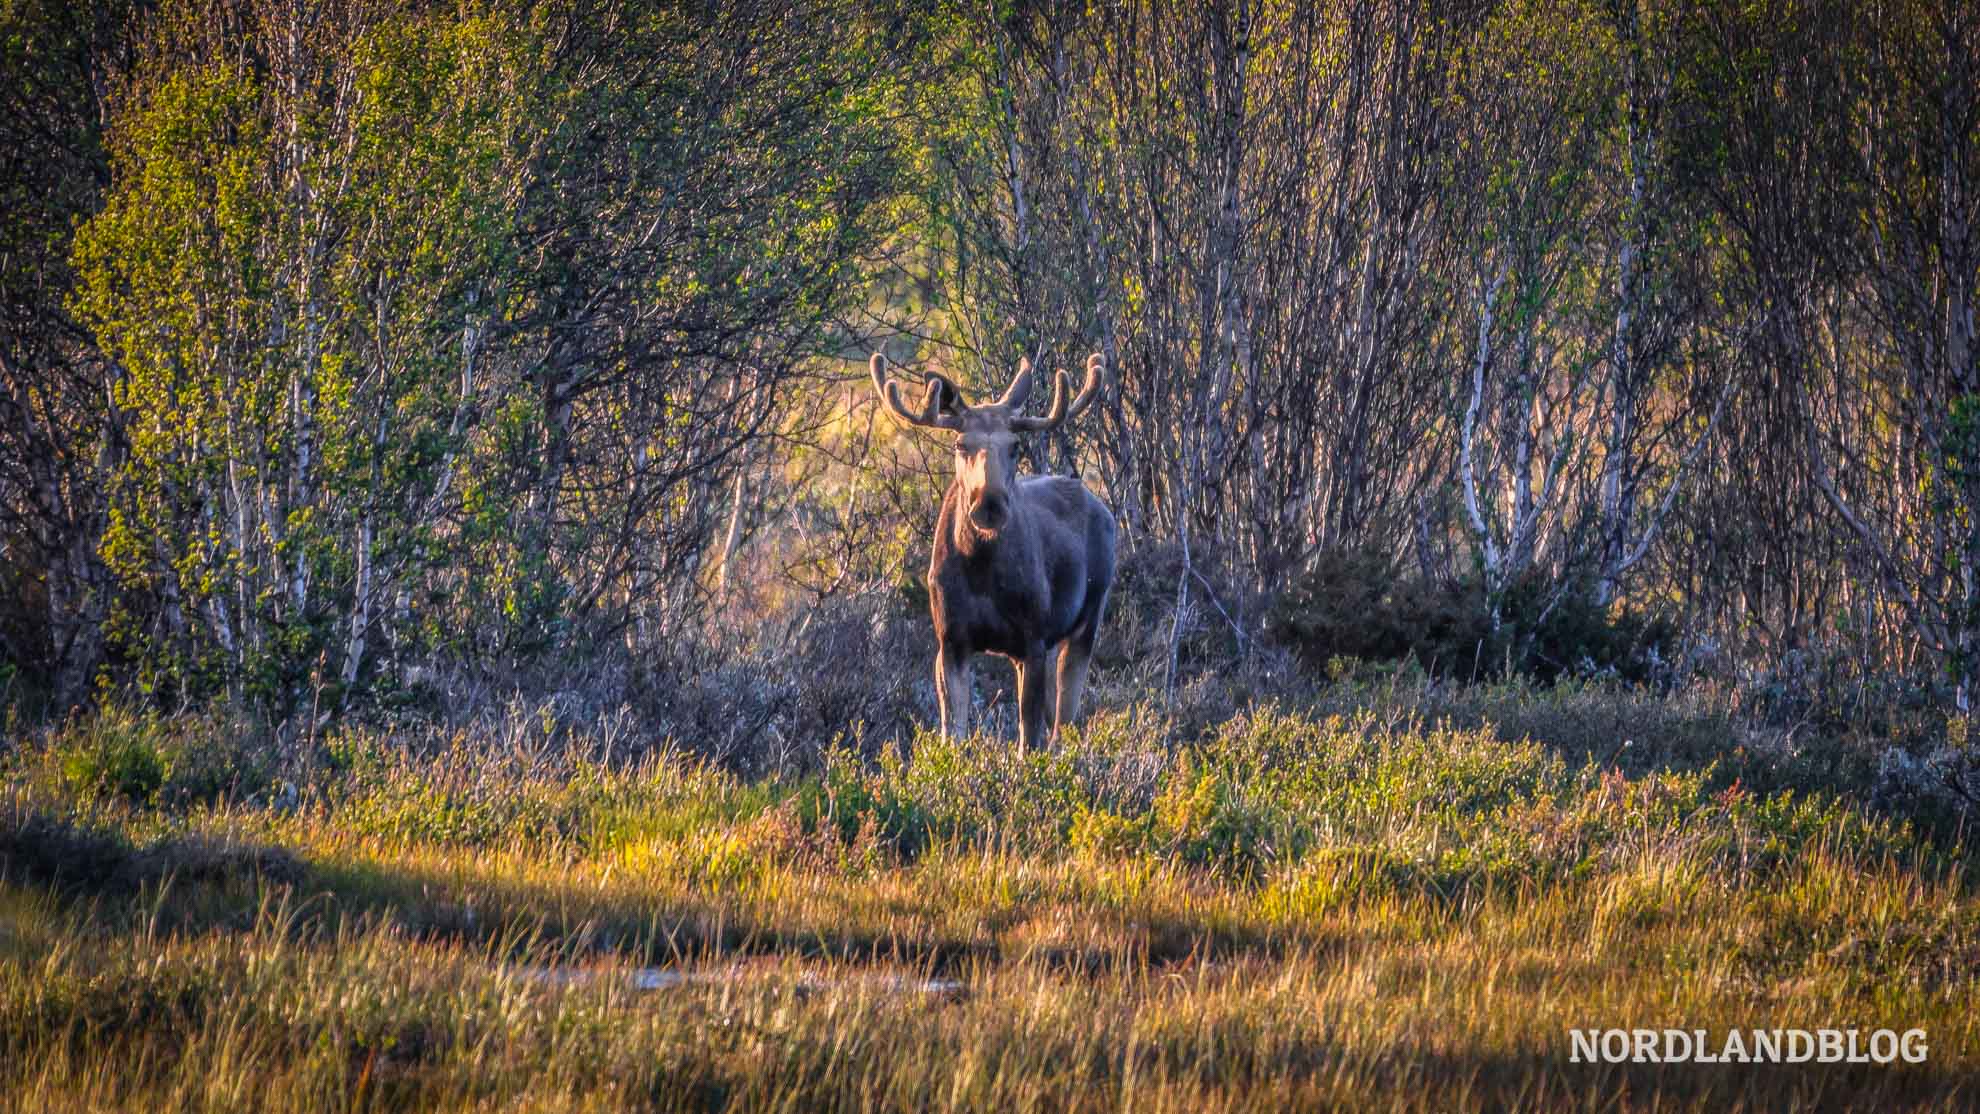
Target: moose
1021	564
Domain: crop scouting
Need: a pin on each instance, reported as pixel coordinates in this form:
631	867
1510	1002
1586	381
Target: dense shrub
113	761
855	669
1357	605
146	758
1354	604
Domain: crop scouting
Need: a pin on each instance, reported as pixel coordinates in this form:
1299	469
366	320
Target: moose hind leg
1074	655
952	691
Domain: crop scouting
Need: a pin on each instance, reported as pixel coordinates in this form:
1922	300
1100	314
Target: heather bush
1359	605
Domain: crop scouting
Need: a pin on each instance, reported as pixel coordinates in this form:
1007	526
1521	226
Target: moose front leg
952	690
1034	672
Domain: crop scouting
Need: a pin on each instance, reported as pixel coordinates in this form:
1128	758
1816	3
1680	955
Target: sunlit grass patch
1361	910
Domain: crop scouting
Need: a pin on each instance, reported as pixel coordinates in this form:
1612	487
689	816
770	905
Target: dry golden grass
1355	913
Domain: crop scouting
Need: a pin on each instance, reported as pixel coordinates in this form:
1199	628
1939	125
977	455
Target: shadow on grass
51	852
189	884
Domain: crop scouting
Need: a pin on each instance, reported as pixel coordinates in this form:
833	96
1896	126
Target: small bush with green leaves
114	762
144	758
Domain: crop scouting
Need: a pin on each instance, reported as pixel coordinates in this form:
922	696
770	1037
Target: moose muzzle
990	511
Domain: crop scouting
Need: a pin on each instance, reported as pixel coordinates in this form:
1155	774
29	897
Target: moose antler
931	415
1061	411
1020	388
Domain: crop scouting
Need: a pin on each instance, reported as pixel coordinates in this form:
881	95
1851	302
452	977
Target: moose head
1021	566
986	460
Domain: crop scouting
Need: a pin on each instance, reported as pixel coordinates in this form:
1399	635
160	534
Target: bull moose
1021	564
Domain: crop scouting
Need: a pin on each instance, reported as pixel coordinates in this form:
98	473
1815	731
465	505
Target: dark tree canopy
340	340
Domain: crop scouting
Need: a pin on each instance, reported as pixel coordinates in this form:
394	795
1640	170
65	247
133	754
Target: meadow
471	553
1394	896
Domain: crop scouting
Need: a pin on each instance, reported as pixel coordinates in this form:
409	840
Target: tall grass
1363	909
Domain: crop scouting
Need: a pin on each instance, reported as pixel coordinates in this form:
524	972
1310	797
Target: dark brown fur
1021	565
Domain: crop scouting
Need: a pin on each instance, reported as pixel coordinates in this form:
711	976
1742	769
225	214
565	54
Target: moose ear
947	398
